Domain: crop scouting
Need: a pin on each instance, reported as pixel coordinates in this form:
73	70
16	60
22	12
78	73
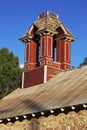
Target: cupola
47	49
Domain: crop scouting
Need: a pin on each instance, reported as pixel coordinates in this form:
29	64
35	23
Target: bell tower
47	49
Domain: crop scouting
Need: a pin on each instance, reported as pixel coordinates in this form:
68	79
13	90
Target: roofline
45	113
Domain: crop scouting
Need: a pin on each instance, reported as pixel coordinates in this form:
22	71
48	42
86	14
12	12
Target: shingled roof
48	22
66	89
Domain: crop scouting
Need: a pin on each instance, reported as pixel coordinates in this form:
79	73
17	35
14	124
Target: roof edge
46	113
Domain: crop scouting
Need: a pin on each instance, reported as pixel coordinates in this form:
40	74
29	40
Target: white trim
29	52
65	50
25	51
67	58
62	26
42	62
25	54
30	29
23	80
49	62
45	74
47	46
44	44
41	47
64	62
51	46
57	16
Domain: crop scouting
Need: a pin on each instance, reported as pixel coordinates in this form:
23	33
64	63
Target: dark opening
38	54
54	51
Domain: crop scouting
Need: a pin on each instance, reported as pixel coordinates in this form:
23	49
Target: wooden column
63	53
46	50
30	55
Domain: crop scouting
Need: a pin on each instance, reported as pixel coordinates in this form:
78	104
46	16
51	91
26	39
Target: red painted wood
46	49
33	77
30	55
63	53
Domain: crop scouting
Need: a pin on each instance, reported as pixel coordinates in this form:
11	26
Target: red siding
68	52
60	51
30	55
43	44
49	51
33	77
33	52
27	52
52	71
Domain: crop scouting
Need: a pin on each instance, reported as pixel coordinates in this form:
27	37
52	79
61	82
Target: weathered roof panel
65	89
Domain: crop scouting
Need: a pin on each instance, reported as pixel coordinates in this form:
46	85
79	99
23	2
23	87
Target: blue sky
16	16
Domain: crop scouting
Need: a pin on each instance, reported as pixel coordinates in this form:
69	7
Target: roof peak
48	13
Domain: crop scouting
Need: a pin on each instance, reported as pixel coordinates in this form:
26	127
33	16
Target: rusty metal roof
68	88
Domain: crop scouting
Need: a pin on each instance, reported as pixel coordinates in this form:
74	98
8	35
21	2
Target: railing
48	13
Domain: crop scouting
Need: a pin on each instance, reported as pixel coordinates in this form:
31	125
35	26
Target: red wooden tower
47	49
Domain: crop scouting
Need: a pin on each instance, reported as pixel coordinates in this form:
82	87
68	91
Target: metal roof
68	88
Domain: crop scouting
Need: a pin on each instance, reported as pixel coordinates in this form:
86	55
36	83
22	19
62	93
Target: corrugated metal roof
65	89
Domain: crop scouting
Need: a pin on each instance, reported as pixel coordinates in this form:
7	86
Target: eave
46	113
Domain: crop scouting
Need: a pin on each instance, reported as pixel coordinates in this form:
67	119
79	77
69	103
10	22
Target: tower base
39	75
